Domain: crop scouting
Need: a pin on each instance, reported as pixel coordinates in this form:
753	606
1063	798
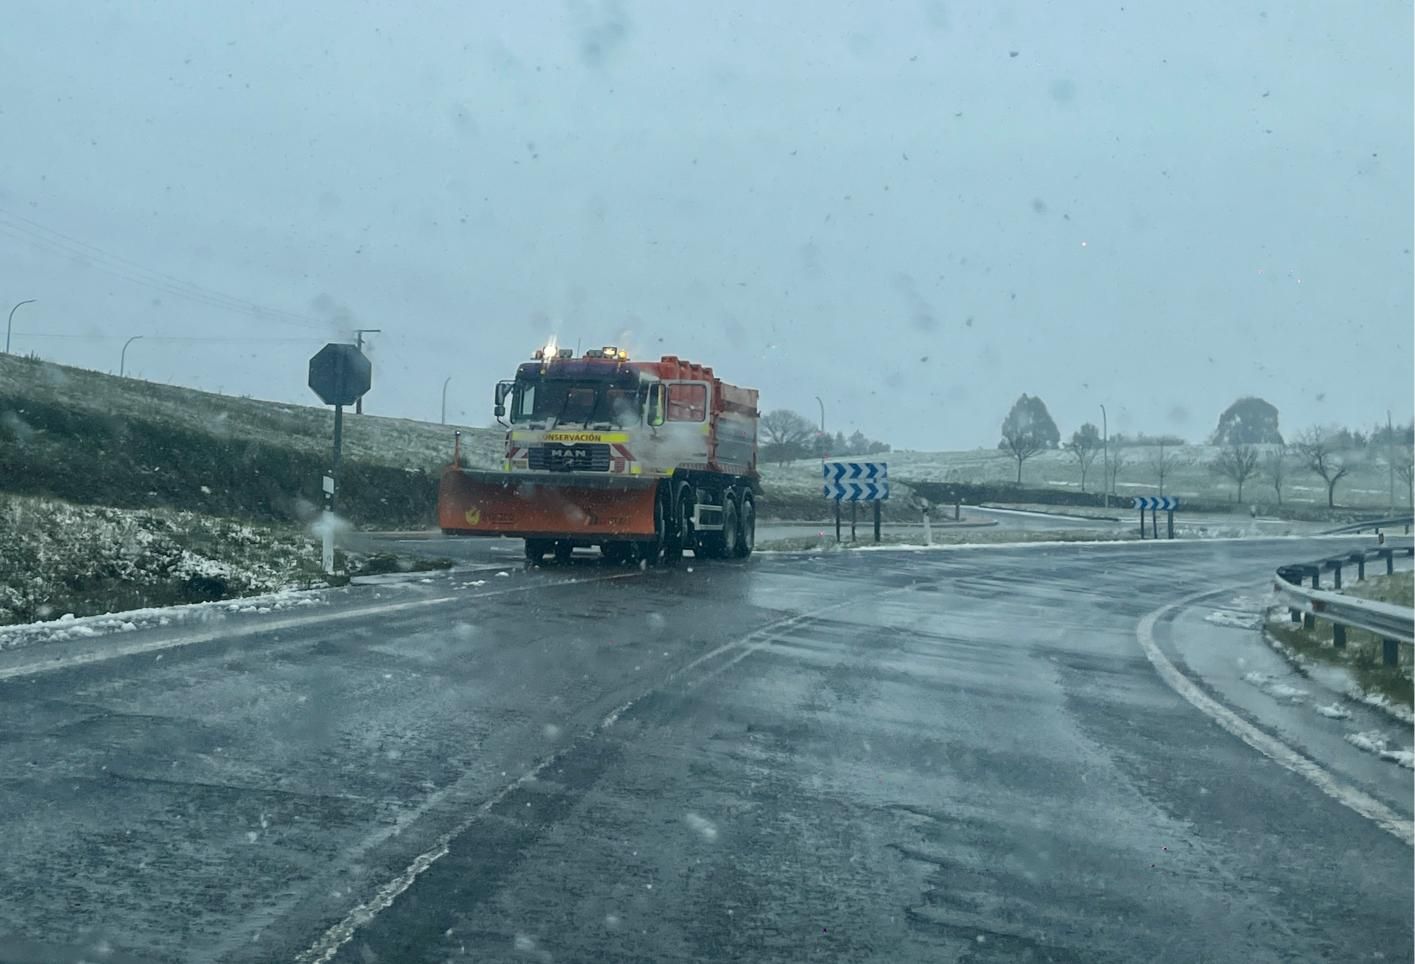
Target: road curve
951	755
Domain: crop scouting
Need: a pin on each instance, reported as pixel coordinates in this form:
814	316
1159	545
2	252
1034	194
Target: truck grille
568	458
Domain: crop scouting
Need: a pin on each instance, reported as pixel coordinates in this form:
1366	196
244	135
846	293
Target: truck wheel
536	550
731	525
564	549
651	549
747	525
677	537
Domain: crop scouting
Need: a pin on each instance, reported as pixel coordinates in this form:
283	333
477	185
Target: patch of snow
1333	711
1373	741
503	573
702	825
1235	620
1273	688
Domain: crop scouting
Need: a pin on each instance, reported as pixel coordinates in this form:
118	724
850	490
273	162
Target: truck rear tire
747	527
731	524
536	550
564	550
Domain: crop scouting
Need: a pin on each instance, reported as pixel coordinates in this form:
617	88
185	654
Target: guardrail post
1338	635
1308	620
1336	574
1390	652
1389	556
1360	559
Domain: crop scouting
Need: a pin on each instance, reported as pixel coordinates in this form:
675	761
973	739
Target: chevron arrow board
854	471
856	491
1166	502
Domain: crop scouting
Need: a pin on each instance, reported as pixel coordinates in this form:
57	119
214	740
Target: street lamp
1105	457
444	398
822	405
10	323
123	356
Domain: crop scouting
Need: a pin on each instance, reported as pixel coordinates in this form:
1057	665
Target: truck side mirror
499	411
502	390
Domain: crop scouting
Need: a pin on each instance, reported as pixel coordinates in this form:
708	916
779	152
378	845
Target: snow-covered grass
397	442
67	560
1190	477
1398	589
1388	688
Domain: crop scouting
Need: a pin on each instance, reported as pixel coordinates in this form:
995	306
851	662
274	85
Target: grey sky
917	211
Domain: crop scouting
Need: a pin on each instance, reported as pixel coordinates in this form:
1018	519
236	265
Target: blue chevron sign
856	491
854	471
1166	502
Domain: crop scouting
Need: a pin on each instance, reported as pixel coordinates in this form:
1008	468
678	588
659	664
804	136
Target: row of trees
789	435
1325	454
1247	430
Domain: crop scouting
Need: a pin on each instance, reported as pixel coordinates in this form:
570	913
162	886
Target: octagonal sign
340	374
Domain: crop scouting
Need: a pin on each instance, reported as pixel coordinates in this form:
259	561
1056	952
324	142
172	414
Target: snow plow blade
546	506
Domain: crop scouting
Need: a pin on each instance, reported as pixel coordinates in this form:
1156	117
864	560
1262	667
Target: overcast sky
917	211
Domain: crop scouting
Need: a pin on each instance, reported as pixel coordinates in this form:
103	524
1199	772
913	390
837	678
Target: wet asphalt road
959	755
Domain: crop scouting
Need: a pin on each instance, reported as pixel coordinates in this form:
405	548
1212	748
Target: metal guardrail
1395	625
1404	521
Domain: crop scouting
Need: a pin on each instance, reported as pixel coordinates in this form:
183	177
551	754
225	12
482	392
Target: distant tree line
1251	447
788	435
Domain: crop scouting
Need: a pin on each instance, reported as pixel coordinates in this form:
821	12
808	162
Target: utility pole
10	323
123	356
825	444
1390	458
444	398
1105	457
359	344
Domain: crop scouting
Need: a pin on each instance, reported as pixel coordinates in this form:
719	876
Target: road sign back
340	374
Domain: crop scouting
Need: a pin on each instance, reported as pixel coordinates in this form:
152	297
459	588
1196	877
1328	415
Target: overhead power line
26	229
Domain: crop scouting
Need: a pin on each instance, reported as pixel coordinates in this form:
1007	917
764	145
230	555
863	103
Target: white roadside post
327	525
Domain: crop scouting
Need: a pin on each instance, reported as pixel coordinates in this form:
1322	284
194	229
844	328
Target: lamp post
822	405
11	321
123	356
444	398
1105	457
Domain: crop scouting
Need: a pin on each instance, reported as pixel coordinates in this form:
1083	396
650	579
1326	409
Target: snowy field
1367	485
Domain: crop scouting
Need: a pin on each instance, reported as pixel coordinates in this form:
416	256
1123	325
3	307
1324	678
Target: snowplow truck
643	459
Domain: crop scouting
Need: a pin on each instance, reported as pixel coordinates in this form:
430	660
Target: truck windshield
561	401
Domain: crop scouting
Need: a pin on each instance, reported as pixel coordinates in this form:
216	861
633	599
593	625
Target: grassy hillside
93	438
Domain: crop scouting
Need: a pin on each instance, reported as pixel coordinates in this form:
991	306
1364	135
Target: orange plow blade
524	506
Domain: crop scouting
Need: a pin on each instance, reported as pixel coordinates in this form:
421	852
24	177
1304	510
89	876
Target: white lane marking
1271	747
121	650
341	933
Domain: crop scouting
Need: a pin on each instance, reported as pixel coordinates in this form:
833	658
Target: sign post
855	482
1154	503
340	375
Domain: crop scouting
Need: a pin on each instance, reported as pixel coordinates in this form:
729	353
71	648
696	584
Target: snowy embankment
64	561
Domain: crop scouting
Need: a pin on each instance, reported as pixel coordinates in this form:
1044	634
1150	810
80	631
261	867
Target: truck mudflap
479	503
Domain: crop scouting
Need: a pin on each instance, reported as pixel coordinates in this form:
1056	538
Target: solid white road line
1270	746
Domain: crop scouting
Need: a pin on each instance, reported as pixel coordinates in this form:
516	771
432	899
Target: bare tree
1318	453
1237	463
1117	462
1084	446
787	434
1405	470
1161	464
1275	465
